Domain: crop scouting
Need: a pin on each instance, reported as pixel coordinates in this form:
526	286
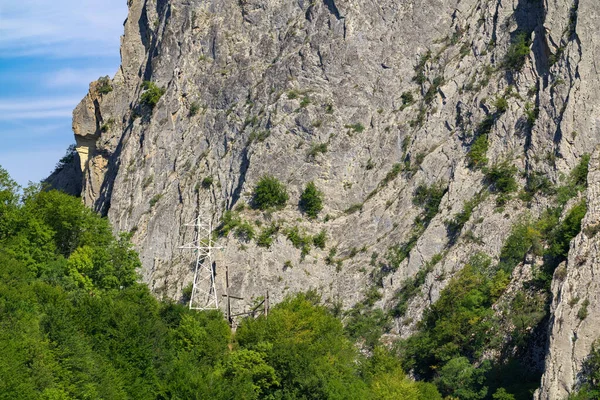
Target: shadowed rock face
395	92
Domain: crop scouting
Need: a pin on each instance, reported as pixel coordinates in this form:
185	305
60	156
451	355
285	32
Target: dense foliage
152	94
75	324
269	192
311	200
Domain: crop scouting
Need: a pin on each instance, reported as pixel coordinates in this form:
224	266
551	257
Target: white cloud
70	77
27	109
61	28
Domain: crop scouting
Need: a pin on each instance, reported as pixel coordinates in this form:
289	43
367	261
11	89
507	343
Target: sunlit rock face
370	100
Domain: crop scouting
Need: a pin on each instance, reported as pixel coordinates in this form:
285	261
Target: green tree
311	200
269	192
458	378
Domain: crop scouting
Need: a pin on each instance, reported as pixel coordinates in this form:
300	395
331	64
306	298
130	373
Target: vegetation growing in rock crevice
269	193
104	85
589	386
152	94
311	200
517	52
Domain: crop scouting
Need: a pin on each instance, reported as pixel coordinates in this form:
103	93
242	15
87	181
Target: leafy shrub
265	239
316	149
502	177
393	174
155	200
357	128
522	238
104	85
583	311
477	155
430	198
589	388
230	221
460	324
517	52
420	77
365	324
501	105
407	99
435	86
459	379
269	192
299	240
454	226
194	108
66	159
207	182
152	94
305	102
320	239
311	200
531	113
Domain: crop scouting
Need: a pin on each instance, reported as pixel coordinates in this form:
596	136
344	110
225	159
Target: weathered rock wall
253	86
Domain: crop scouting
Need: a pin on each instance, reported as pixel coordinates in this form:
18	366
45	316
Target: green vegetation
517	52
590	382
407	100
269	193
501	177
456	330
411	287
429	198
356	128
354	208
194	109
316	149
299	240
501	105
311	200
265	239
75	324
531	113
105	127
433	88
66	159
420	77
305	102
455	225
233	222
207	182
155	199
104	85
152	94
320	240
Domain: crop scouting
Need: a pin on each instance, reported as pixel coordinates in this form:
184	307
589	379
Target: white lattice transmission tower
204	293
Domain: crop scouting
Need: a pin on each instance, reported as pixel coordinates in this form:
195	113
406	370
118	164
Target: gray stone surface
296	74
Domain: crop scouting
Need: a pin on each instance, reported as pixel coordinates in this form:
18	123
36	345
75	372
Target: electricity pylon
204	293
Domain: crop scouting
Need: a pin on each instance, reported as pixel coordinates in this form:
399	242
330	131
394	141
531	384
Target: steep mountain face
419	121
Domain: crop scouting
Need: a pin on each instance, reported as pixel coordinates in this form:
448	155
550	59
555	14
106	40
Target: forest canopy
76	323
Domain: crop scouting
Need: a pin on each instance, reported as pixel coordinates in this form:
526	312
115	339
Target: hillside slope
434	130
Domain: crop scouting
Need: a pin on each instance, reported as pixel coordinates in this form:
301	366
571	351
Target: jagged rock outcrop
370	100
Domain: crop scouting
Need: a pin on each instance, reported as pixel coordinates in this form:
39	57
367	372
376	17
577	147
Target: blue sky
50	50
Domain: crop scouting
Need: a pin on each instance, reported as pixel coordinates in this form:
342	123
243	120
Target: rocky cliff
432	128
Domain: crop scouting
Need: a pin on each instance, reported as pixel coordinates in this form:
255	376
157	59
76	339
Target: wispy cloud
66	28
49	52
71	77
19	109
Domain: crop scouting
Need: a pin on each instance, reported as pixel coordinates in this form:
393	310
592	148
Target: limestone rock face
368	99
